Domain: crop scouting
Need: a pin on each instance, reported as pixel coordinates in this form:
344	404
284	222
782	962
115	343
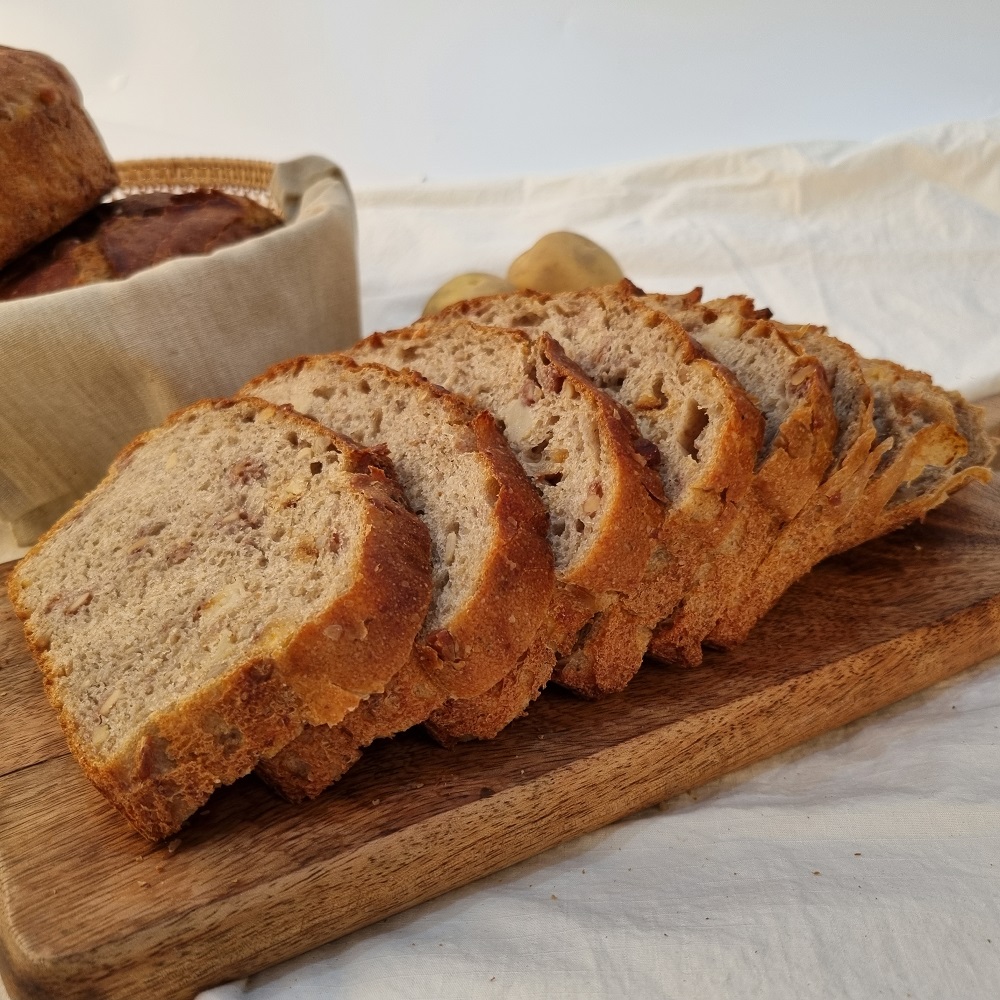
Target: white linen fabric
896	246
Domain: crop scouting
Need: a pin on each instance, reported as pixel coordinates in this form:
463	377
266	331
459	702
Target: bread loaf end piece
239	572
938	443
55	166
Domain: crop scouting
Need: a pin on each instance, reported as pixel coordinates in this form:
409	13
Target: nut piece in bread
53	165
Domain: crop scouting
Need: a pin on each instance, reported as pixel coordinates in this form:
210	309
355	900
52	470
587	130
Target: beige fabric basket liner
82	371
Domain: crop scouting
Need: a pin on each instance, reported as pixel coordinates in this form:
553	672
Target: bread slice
703	424
808	537
938	443
492	566
579	448
239	572
796	451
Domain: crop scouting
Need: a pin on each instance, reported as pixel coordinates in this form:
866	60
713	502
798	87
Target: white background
406	91
715	896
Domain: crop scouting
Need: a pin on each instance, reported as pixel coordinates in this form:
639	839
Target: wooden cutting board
88	909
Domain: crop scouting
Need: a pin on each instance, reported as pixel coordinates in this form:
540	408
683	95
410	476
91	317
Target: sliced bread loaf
705	427
240	571
492	566
585	456
796	451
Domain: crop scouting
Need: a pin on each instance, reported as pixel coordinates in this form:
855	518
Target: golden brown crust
483	718
808	537
484	639
321	755
611	569
797	461
696	519
307	765
220	732
130	234
55	166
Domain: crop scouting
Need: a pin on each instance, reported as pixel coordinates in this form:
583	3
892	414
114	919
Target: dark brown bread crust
482	642
121	237
322	671
53	162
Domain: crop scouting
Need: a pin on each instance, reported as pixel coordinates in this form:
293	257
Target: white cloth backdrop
897	247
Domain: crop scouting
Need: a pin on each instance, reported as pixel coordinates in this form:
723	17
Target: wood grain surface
88	909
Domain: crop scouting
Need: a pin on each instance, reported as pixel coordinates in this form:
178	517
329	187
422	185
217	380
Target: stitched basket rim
250	178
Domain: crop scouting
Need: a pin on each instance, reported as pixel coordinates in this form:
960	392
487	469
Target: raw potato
564	262
465	286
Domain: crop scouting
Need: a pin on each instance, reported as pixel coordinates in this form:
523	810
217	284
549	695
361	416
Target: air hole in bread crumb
538	451
323	391
492	489
694	421
364	386
580	526
315	468
551	478
558	527
292	438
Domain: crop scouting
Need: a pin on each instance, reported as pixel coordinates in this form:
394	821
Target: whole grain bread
492	567
703	424
116	239
53	163
239	572
588	461
796	452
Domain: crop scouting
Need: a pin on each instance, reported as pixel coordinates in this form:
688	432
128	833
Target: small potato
465	286
564	262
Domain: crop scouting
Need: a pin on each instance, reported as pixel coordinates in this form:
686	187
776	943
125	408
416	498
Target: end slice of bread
937	443
239	572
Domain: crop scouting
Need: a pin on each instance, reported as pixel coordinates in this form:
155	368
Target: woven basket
250	178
